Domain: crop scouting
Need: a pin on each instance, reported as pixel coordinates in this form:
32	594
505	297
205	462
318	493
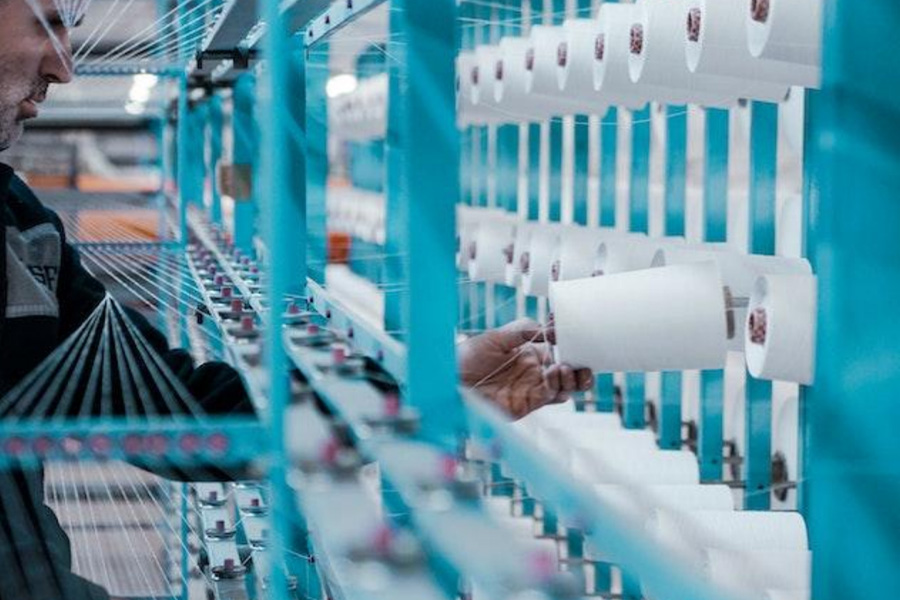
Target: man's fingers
538	396
585	379
519	332
553	379
562	398
567	377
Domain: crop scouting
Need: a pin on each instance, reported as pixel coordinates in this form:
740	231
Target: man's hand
513	367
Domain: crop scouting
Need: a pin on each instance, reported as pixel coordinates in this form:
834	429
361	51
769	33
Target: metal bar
431	180
634	394
604	385
244	159
581	169
316	183
395	265
283	210
507	177
182	145
223	441
852	472
215	124
334	19
715	210
676	182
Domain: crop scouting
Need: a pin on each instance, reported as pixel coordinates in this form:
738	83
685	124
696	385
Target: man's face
35	51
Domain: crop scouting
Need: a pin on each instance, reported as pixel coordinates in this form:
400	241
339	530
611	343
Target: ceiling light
341	84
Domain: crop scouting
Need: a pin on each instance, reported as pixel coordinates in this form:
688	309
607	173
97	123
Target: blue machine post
395	269
431	180
852	471
316	183
215	122
557	132
676	188
468	164
604	386
634	394
758	399
182	145
533	134
282	122
198	114
244	159
480	195
507	178
715	209
575	537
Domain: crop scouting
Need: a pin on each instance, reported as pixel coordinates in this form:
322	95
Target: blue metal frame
715	209
432	155
634	394
676	188
245	140
852	475
507	174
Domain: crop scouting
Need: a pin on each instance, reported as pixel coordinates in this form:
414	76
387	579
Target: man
45	295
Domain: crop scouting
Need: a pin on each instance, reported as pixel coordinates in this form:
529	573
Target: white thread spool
781	329
785	30
484	82
716	47
565	444
509	84
575	70
656	58
489	249
639	502
467	220
546	416
629	254
642	500
574	258
739	274
611	50
667	319
749	570
537	261
519	247
559	421
805	594
468	113
542	61
625	466
739	530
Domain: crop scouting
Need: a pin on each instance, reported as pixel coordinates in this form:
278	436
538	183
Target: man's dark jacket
45	294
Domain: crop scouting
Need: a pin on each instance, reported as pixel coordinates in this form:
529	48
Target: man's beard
11	126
